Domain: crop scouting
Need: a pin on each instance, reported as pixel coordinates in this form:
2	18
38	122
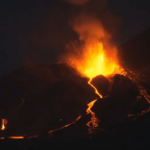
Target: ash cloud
94	23
94	19
89	27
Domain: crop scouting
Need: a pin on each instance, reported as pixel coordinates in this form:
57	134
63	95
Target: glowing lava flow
94	60
50	132
96	91
16	137
94	121
4	121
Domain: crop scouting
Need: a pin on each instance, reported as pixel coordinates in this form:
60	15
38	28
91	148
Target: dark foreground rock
139	105
116	106
122	85
36	99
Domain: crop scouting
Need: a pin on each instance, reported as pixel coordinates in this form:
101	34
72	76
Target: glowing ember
4	122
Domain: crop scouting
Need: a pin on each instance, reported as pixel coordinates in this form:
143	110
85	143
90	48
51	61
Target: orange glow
96	91
94	121
65	125
95	61
93	54
16	137
4	122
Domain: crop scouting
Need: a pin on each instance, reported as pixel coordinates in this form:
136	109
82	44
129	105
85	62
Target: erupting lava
93	61
94	55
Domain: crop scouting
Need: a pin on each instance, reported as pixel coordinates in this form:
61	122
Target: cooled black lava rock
102	84
138	127
116	106
39	98
139	105
123	86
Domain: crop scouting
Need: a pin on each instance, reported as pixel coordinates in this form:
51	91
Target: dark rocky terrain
37	99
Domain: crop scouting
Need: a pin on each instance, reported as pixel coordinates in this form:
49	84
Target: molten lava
96	91
4	122
95	60
16	137
94	121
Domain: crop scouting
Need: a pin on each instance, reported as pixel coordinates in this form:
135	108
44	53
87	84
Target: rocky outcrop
121	97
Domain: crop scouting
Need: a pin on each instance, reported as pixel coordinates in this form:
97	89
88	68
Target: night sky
37	31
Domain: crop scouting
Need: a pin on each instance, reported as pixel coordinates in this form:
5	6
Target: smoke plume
88	27
93	52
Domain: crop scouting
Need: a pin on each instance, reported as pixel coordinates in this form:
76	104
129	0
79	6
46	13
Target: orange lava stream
16	137
96	91
13	137
94	121
65	125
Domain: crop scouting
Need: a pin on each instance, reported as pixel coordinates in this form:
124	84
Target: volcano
61	102
40	99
